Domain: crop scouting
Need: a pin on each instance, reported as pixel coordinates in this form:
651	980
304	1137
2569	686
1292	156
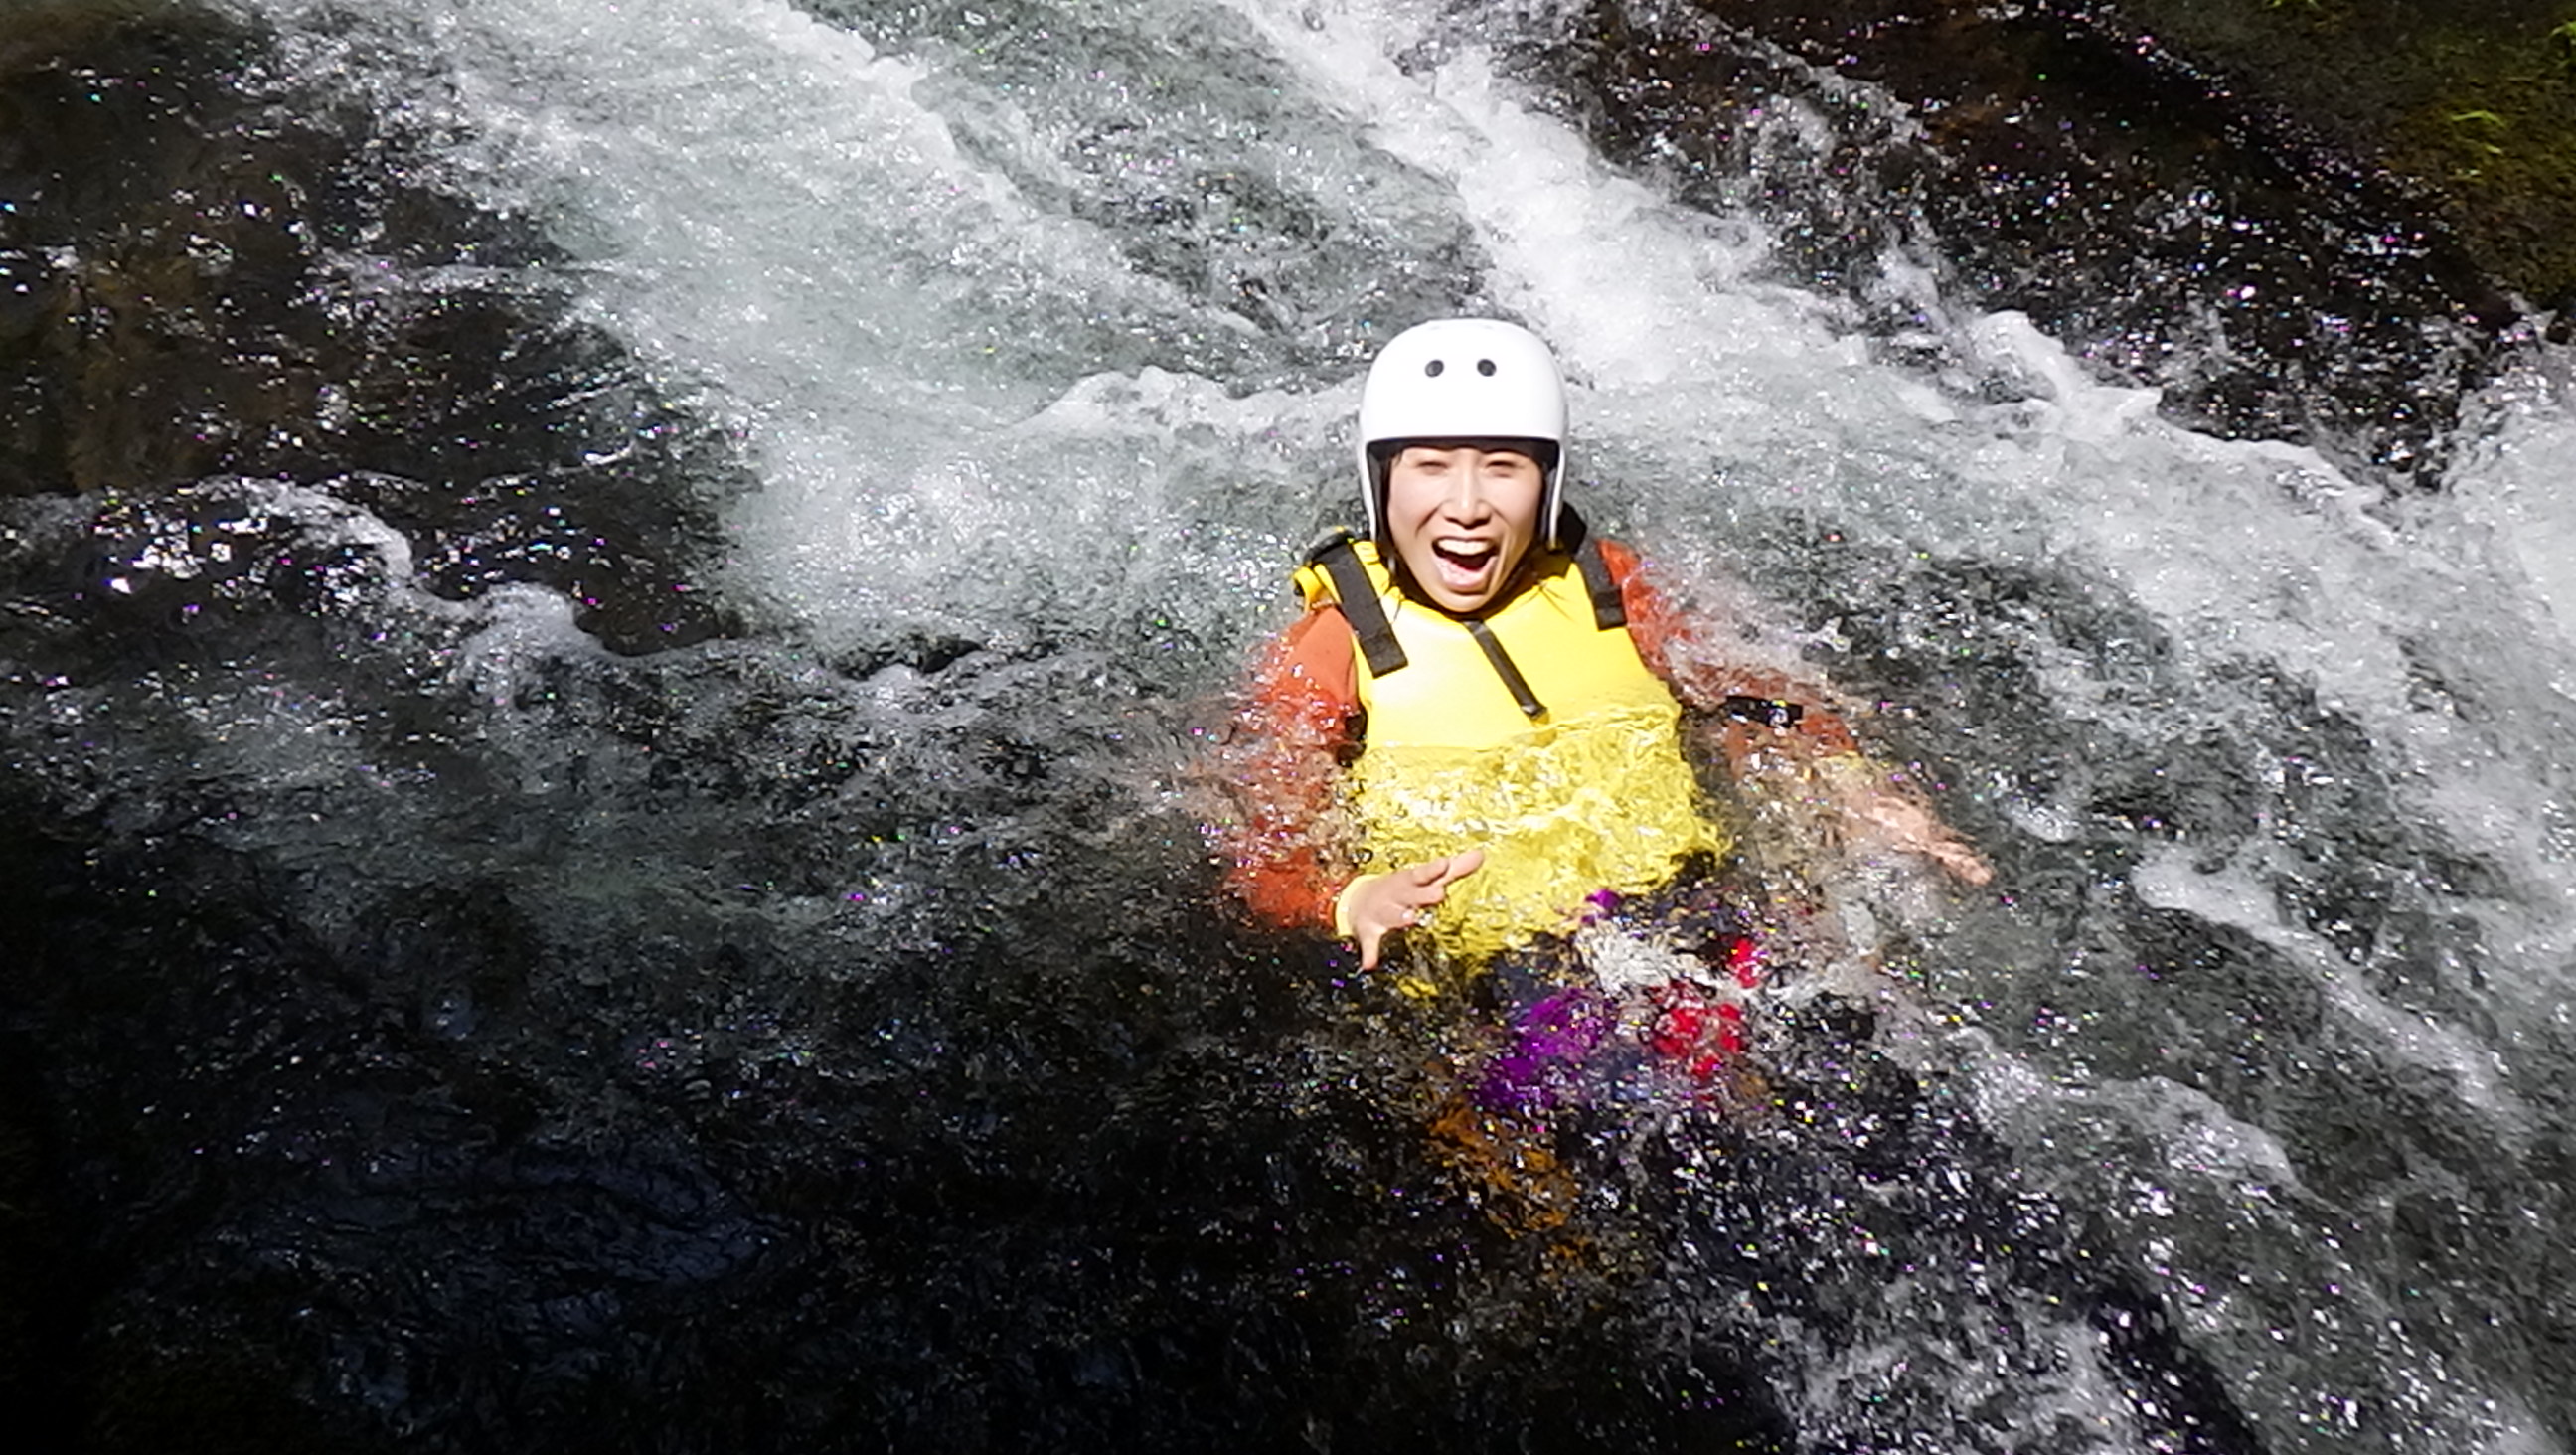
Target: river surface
607	786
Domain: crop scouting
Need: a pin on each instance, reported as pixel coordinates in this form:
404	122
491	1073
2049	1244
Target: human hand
1878	812
1907	825
1377	905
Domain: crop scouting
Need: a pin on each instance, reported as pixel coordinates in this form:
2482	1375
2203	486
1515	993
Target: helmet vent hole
1432	369
1485	367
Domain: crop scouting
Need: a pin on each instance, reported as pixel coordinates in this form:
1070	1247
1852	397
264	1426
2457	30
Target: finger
1964	862
1370	936
1445	872
1432	873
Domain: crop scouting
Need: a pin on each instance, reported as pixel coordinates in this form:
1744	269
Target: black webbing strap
1609	612
1359	603
1768	711
1376	635
1513	682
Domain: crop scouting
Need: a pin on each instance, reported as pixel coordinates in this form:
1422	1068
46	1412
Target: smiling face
1461	518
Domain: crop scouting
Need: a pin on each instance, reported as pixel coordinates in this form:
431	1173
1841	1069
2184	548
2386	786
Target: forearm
1280	839
1783	740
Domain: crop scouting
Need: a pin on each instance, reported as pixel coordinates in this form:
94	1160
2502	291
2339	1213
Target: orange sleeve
1281	766
1658	630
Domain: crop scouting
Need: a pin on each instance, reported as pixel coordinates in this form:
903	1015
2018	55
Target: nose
1467	498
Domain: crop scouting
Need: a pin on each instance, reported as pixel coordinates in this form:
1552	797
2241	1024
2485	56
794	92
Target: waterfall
674	914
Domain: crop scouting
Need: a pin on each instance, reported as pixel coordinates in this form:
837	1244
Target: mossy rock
2474	105
2170	226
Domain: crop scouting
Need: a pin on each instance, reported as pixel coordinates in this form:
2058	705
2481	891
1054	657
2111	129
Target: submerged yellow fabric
1593	794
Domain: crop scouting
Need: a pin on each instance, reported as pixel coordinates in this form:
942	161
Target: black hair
1383	452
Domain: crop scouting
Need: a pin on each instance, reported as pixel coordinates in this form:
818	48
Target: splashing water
840	1007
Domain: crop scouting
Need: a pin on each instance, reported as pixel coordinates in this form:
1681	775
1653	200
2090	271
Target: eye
1432	369
1485	367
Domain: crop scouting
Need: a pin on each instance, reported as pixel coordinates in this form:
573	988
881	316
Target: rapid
661	904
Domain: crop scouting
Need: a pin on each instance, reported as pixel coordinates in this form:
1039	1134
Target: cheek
1405	498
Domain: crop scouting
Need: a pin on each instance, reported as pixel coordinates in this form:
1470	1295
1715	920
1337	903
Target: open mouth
1464	564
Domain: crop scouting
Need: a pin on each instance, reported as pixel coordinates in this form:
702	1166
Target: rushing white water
922	272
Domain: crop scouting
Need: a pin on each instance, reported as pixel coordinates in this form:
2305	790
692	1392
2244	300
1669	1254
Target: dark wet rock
262	288
386	1183
41	1277
551	1075
2164	224
2474	105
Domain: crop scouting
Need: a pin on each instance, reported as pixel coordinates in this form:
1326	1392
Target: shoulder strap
1357	597
1609	611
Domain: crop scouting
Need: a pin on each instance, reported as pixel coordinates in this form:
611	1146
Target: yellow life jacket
1534	732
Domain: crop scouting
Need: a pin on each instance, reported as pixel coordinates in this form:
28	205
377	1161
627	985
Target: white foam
2514	482
762	209
2168	878
784	223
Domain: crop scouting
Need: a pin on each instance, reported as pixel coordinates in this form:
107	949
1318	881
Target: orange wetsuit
1302	722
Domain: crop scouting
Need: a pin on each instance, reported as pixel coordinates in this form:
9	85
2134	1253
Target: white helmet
1461	379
